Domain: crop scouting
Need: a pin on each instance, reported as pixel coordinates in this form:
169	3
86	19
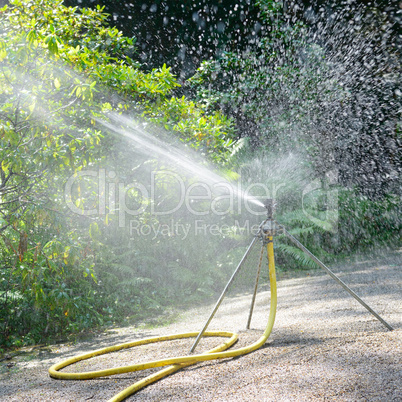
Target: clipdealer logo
104	193
115	197
182	231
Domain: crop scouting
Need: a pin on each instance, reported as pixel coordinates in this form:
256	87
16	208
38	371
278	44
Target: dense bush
299	91
62	70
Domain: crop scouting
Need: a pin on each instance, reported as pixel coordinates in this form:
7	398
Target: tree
182	34
62	70
288	91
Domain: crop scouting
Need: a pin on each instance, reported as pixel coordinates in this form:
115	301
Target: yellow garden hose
176	363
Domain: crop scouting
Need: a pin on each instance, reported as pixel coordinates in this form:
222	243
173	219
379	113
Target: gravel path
324	347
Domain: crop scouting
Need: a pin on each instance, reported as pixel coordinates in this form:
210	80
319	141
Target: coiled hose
176	363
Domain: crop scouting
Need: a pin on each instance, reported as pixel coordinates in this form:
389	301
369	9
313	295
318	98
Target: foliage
46	269
182	34
274	89
211	135
288	97
330	220
294	92
298	224
61	71
358	225
365	224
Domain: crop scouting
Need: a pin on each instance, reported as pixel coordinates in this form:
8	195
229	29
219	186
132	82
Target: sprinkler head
269	204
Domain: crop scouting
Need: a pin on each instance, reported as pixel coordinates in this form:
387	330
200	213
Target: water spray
267	230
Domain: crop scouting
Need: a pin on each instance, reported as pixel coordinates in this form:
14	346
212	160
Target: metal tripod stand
266	231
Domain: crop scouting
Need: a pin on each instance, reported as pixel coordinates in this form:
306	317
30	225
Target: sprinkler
270	205
266	232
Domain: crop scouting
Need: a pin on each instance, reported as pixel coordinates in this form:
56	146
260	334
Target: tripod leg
333	276
255	288
218	303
